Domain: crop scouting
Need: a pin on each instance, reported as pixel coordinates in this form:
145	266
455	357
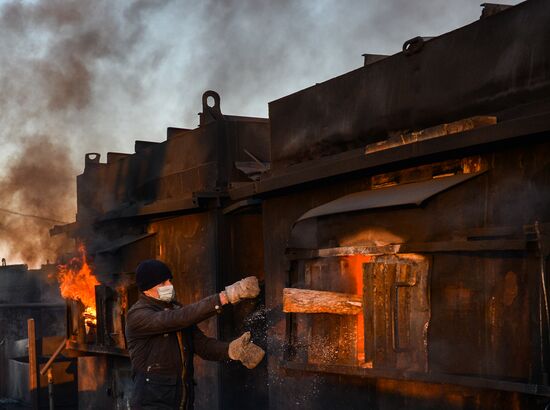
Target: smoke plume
57	59
38	185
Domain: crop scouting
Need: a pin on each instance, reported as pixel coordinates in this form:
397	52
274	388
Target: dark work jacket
161	380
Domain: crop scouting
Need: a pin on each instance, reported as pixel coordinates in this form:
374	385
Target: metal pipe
541	342
50	389
48	369
34	381
48	364
542	254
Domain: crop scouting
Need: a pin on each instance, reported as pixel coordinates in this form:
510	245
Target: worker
163	336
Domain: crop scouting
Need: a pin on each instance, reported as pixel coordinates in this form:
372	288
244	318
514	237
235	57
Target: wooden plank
436	131
316	301
34	380
359	250
412	247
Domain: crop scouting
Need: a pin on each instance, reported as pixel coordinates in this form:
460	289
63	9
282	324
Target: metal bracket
210	111
414	45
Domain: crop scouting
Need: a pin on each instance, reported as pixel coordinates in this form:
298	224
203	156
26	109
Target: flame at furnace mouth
77	282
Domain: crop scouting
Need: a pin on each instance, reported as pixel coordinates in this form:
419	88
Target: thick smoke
58	57
39	181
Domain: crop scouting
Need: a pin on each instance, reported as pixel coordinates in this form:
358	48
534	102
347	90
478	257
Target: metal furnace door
397	312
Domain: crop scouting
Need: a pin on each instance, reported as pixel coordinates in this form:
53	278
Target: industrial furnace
397	214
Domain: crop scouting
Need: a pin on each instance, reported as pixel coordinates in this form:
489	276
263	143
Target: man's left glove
245	351
246	288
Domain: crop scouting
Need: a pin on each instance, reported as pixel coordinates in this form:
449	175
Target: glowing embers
77	282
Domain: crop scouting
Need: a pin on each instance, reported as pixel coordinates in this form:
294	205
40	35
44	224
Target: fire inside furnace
77	282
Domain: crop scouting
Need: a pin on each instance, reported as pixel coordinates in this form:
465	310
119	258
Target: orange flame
77	282
356	263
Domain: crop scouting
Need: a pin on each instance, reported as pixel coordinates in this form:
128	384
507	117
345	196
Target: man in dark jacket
163	336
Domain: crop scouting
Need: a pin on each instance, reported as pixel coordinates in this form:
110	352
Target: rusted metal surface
476	70
166	201
483	280
94	383
171	176
123	241
242	233
481	295
397	312
355	160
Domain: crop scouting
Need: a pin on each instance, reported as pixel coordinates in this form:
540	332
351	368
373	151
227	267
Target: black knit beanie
150	273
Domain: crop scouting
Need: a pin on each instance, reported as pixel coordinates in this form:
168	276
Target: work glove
246	288
245	351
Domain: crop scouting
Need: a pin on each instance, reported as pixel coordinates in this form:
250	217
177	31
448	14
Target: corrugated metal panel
406	194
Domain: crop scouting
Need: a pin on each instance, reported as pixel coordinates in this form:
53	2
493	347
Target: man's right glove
246	288
245	351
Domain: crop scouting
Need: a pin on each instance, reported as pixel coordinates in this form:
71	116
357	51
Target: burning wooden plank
316	301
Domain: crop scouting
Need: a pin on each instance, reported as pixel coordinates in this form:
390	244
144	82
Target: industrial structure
397	216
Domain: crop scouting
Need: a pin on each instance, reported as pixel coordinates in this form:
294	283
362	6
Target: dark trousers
156	392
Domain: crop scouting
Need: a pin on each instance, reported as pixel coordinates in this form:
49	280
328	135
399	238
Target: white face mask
166	293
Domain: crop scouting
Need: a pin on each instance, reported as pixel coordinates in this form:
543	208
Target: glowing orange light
77	282
355	264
